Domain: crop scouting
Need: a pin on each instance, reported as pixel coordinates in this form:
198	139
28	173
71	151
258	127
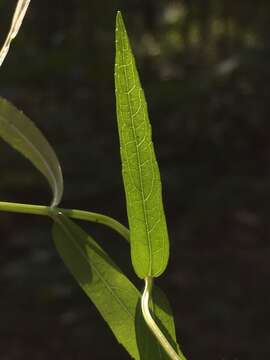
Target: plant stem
72	213
97	218
25	208
153	325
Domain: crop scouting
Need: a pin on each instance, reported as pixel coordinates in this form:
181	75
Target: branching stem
72	213
122	230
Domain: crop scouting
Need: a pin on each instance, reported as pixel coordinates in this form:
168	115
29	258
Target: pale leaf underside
20	11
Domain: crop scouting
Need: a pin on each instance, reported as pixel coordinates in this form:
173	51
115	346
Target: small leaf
162	311
20	11
116	298
22	134
163	315
147	223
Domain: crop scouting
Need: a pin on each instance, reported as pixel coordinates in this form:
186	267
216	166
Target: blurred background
204	65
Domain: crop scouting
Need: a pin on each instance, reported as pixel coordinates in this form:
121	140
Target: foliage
148	237
127	312
21	133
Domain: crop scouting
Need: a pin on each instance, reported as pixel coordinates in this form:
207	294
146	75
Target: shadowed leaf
116	298
148	346
22	134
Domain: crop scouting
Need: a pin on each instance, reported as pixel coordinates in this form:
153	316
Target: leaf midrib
107	286
137	153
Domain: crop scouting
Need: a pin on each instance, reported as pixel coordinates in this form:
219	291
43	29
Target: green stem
153	325
122	230
72	213
25	208
97	218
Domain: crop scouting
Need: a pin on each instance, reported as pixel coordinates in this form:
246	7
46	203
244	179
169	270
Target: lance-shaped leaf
116	298
147	223
20	11
22	134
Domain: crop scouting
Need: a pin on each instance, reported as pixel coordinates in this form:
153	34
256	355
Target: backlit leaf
147	223
22	134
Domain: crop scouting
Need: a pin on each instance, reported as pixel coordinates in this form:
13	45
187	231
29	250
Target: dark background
205	67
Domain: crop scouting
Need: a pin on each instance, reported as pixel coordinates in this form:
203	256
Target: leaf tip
119	21
118	15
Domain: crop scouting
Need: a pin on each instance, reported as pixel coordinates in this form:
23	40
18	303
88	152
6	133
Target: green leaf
116	298
22	134
112	293
163	316
147	223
